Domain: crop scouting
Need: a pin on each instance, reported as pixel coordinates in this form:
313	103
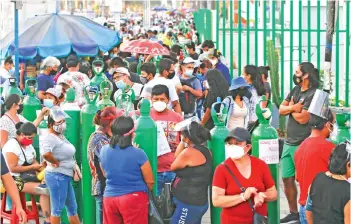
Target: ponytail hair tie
129	132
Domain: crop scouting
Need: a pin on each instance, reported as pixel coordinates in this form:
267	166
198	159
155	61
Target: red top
168	119
311	158
260	178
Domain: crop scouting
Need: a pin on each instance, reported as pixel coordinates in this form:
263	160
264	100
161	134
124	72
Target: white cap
50	62
122	70
54	91
188	60
197	64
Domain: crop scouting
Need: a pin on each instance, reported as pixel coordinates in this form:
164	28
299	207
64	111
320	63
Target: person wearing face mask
97	140
237	103
312	156
20	158
8	121
58	152
52	97
193	168
46	78
214	56
122	80
329	194
296	106
191	88
166	70
114	52
168	142
5	74
252	173
148	72
128	176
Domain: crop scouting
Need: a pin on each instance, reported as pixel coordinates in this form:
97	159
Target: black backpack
187	100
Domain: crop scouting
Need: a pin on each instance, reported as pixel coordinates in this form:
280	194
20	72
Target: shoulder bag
257	219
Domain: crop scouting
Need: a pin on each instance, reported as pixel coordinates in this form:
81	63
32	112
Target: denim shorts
162	178
302	214
61	194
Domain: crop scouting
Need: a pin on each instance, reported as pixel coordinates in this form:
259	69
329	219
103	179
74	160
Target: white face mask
214	62
234	151
159	106
60	128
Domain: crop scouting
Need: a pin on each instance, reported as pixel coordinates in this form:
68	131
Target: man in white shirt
5	75
166	69
75	79
121	77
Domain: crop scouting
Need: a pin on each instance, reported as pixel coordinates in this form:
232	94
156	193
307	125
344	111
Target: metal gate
297	29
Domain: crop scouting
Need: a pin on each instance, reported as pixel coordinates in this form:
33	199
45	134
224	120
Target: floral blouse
77	81
96	142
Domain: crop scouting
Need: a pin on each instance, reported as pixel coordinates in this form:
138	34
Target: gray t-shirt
295	131
62	150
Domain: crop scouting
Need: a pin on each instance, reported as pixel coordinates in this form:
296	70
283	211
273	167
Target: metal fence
297	28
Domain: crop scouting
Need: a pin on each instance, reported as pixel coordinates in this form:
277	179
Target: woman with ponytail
128	176
193	173
20	158
98	139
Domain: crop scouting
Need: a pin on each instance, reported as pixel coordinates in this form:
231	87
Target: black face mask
20	109
53	73
242	92
143	80
171	75
297	80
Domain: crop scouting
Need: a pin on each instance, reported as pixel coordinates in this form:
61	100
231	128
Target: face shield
320	104
57	114
185	125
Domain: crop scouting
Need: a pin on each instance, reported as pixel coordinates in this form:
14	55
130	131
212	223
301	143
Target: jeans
99	204
302	214
162	178
61	194
188	214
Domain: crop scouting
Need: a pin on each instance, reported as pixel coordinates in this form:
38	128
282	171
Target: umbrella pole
17	5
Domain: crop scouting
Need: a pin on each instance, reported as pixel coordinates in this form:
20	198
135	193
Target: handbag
29	176
154	214
257	219
165	203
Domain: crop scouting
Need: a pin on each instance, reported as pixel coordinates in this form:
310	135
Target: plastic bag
154	214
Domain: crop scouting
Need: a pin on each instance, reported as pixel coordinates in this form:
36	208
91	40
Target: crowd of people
181	87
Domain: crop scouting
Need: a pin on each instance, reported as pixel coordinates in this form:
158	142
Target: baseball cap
54	91
197	64
122	71
239	134
188	60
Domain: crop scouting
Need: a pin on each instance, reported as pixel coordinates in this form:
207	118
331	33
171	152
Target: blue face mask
48	103
188	73
113	55
120	84
199	76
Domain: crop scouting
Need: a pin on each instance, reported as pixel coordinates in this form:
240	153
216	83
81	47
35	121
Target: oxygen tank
265	145
13	89
105	91
98	69
125	102
217	145
87	115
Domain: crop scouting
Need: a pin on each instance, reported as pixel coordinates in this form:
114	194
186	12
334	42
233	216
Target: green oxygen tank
146	137
140	62
30	105
42	132
72	134
87	126
105	91
98	69
157	62
13	89
342	115
266	147
217	146
125	102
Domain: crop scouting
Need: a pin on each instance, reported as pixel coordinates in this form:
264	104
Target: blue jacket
229	102
225	71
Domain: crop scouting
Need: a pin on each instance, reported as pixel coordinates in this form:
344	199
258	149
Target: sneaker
42	189
291	218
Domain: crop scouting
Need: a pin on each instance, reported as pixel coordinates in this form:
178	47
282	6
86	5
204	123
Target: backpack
187	100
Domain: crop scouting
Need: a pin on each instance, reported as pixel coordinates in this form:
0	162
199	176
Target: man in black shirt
190	48
296	106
